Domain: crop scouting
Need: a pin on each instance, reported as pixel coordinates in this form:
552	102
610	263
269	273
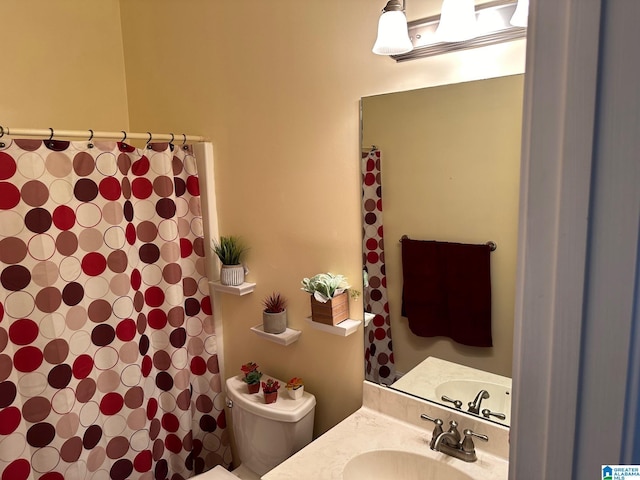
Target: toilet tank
268	434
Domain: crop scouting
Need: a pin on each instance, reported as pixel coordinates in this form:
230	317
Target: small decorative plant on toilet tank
270	389
329	300
251	377
295	388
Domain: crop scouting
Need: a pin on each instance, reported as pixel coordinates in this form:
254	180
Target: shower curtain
379	365
108	365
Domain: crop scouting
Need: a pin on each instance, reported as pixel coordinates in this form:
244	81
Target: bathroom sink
395	464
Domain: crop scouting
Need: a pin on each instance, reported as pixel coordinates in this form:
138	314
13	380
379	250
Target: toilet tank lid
285	409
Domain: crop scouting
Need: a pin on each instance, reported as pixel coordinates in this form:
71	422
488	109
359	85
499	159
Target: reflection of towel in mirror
447	290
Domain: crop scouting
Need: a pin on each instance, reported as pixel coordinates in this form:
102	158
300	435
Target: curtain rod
90	134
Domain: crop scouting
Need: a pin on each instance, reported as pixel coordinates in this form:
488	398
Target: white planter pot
297	393
274	322
232	275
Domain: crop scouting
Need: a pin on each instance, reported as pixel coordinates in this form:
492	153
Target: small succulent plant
270	386
325	286
251	373
294	384
252	377
249	367
274	303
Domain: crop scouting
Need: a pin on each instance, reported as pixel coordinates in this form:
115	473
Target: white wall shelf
343	329
367	318
242	289
285	338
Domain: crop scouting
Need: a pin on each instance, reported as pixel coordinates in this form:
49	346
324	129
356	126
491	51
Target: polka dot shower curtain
379	366
108	366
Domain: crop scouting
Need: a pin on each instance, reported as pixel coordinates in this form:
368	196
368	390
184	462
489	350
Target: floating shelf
367	318
343	329
241	289
285	338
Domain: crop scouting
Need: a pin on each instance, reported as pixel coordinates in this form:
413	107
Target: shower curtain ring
149	141
50	136
184	139
125	136
1	131
172	137
91	137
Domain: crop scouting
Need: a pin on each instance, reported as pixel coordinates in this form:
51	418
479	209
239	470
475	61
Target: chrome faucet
450	438
474	407
449	442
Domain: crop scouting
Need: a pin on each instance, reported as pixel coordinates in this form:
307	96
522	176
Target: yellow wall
450	172
62	65
276	87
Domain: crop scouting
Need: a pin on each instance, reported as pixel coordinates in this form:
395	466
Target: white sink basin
395	465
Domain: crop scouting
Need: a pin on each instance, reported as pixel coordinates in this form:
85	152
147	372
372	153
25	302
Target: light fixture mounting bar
493	24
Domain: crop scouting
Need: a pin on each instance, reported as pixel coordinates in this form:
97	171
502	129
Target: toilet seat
217	473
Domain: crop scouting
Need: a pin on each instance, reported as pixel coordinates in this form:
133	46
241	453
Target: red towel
447	290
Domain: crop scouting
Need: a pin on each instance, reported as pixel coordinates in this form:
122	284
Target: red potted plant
252	376
270	389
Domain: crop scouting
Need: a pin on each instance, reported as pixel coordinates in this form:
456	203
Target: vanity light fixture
457	21
494	22
520	16
393	37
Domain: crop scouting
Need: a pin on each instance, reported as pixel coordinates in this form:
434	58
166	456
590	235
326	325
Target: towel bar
492	245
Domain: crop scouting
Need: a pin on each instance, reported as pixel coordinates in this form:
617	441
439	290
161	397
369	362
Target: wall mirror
449	160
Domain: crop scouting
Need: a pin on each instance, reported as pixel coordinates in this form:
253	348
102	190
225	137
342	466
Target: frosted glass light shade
457	21
521	15
393	36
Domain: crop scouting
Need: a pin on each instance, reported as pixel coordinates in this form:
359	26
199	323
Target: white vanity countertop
368	429
423	379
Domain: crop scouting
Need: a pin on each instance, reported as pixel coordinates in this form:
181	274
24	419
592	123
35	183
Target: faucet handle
488	413
467	443
437	421
456	403
437	430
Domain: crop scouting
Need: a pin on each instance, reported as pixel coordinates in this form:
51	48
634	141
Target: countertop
369	429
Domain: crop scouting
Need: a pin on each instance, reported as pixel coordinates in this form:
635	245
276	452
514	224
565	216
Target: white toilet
265	434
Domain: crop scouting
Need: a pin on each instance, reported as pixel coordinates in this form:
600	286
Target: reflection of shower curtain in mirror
379	366
108	364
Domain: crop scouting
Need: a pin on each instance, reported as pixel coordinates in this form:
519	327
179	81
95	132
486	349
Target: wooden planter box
333	312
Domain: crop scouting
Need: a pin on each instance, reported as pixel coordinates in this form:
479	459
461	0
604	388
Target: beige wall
62	65
276	87
450	172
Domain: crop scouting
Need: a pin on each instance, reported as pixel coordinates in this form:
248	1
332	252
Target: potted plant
270	389
274	315
230	251
329	301
251	377
295	388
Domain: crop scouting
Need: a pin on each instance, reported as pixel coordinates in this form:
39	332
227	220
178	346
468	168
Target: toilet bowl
265	434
